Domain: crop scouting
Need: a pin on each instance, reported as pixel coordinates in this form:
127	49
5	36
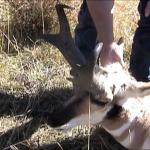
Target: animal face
110	80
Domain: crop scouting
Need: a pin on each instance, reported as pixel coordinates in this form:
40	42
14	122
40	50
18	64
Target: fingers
119	52
112	54
147	9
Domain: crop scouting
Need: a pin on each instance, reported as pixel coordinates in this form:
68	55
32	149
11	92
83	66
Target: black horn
64	41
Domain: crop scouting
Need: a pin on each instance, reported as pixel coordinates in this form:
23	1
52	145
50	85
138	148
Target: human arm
101	13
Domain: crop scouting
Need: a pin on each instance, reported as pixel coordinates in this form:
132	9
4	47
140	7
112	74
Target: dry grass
125	22
31	68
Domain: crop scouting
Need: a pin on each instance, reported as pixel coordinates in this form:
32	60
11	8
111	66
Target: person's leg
85	32
140	54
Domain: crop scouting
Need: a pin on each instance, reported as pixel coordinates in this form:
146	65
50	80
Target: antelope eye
97	101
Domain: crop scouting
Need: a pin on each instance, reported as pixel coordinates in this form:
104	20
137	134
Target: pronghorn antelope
126	117
114	99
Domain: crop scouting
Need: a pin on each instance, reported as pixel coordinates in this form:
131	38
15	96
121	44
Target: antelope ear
120	41
120	50
99	47
97	51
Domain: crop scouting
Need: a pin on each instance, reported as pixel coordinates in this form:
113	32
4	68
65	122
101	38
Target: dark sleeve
85	31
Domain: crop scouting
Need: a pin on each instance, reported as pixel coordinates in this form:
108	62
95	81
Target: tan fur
114	85
131	127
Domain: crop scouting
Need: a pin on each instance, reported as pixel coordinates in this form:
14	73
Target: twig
8	23
42	17
89	125
13	145
60	146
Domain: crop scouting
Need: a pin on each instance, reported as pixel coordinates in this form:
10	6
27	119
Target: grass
33	76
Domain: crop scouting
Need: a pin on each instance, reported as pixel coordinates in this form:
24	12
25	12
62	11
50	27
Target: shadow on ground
38	108
99	140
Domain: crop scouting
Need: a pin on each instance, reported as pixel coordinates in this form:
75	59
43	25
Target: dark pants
85	38
140	54
85	32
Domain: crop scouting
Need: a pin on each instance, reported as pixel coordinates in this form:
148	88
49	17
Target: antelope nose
63	128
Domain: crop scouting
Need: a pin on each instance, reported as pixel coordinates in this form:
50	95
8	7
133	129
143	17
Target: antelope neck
129	123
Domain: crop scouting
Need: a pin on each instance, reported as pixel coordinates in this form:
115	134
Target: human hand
147	9
112	53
